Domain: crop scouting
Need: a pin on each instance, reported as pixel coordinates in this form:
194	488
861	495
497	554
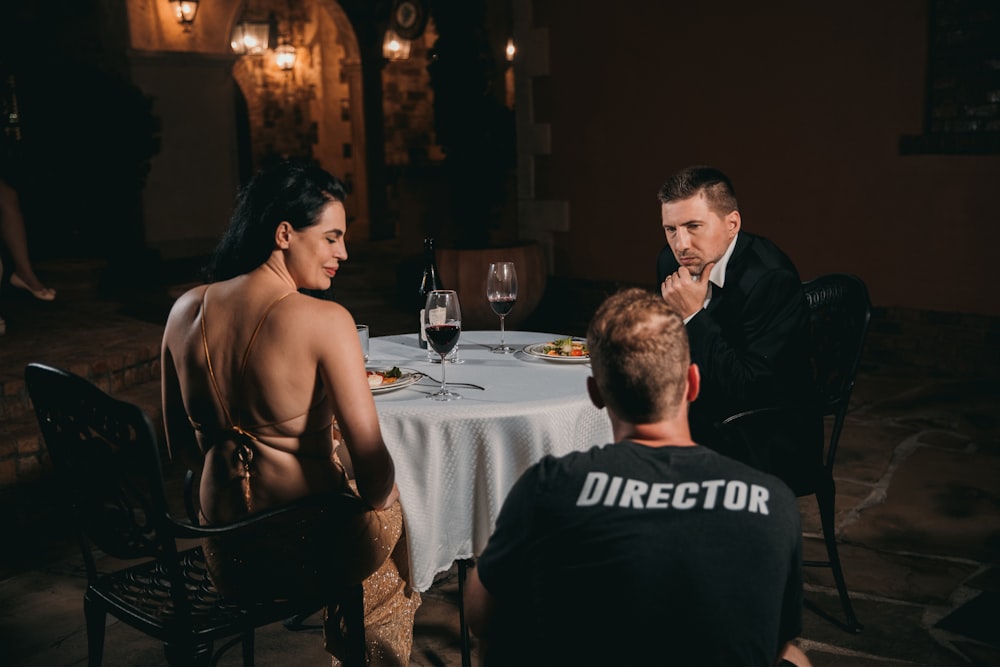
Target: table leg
462	627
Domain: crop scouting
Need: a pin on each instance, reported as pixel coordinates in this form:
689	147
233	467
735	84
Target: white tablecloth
456	460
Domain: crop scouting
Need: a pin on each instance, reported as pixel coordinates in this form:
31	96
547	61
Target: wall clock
409	18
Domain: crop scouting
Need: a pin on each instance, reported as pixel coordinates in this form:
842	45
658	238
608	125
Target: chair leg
354	615
348	614
95	616
825	498
248	648
184	653
463	629
242	640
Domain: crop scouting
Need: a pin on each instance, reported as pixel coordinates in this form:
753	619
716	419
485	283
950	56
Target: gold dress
390	602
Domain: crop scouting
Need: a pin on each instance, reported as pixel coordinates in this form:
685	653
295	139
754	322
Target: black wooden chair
192	506
107	458
840	310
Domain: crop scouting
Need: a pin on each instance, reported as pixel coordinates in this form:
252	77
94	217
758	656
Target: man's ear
733	224
694	382
594	393
283	235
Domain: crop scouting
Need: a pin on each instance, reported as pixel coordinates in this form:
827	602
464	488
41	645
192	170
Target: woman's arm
342	368
182	445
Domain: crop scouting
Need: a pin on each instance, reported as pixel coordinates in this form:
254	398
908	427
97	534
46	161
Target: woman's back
251	382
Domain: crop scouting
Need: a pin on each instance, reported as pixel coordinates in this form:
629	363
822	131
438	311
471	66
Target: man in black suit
747	321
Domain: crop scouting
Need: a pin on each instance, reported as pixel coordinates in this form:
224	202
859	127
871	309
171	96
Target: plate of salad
385	379
566	350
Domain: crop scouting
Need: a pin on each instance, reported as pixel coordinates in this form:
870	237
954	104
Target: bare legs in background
14	237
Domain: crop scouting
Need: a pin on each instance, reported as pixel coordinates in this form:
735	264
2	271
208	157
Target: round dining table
456	460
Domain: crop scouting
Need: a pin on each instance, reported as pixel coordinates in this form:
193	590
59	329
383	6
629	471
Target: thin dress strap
246	354
245	440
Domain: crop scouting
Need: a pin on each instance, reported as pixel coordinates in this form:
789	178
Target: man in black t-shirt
653	550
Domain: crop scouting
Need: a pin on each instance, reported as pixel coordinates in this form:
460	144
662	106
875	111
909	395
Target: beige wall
802	104
189	191
192	180
153	26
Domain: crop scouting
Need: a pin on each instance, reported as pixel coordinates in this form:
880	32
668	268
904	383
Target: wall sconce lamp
510	50
185	11
251	37
395	47
284	56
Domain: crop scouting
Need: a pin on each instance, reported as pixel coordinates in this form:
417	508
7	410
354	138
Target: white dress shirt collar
718	274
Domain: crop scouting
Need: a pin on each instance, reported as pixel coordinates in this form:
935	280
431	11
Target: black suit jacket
751	345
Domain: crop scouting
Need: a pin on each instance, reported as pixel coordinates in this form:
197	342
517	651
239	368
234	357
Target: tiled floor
918	508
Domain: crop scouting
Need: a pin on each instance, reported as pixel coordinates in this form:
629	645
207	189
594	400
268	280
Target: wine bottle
428	282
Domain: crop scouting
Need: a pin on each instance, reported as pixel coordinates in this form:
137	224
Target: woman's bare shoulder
315	320
187	303
302	305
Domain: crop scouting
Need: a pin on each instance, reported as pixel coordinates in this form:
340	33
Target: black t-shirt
627	554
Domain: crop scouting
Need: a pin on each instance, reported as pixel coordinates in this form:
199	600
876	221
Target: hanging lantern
185	11
395	47
284	56
250	37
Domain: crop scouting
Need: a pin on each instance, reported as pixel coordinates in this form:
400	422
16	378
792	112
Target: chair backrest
106	457
840	310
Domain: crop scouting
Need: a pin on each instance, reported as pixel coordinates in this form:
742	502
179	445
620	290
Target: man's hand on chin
685	292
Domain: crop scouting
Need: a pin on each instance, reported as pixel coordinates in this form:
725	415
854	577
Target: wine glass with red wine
443	325
501	291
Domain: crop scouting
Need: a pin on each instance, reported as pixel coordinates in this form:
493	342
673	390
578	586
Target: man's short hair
639	355
715	185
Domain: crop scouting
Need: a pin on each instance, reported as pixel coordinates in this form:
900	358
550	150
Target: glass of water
363	337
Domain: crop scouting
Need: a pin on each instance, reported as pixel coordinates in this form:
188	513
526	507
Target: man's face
696	234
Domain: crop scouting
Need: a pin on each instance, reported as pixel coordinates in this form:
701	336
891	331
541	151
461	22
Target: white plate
406	379
538	350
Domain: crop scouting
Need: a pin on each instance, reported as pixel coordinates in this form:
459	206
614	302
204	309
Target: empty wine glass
443	325
501	290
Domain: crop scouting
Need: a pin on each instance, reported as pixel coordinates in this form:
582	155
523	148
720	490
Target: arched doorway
313	109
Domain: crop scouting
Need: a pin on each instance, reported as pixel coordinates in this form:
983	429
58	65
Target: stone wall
408	106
